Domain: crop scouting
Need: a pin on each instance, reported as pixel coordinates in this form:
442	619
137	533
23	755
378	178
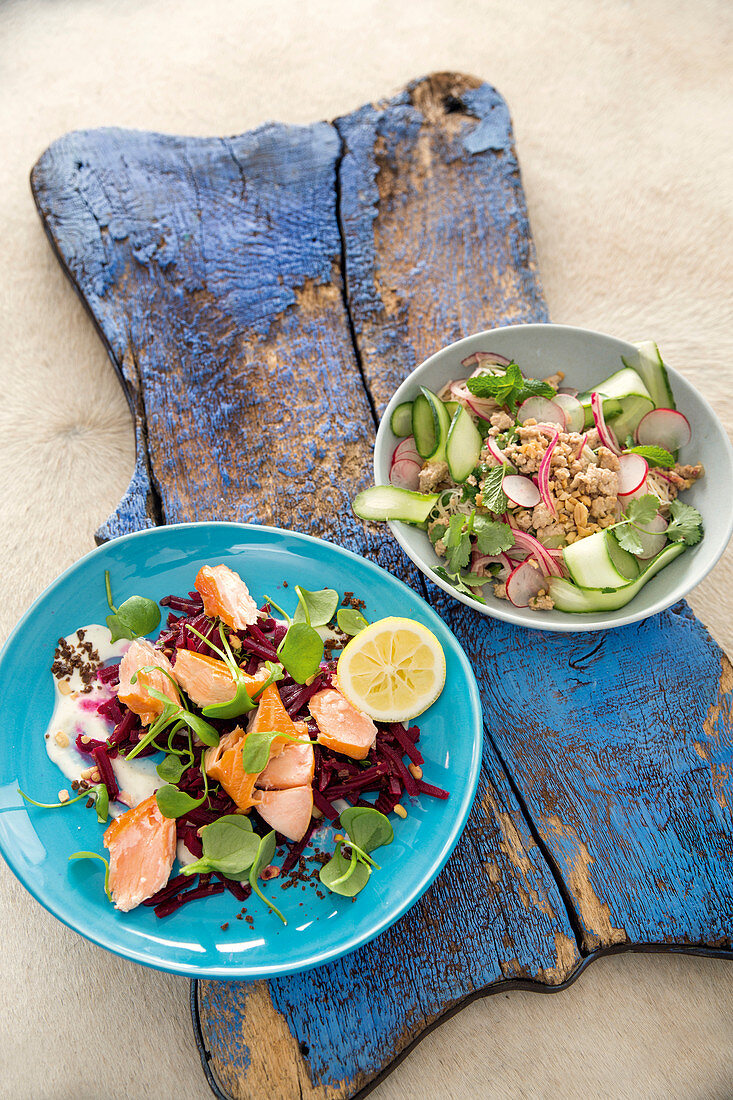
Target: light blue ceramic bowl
586	358
37	843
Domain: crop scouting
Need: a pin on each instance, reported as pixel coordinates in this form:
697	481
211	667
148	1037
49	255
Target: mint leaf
492	494
655	456
534	387
510	388
492	536
686	524
643	509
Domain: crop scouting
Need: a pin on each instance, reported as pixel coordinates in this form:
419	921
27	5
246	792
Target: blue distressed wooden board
292	276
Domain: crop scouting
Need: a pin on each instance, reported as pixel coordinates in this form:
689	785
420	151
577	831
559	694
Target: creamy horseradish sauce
78	694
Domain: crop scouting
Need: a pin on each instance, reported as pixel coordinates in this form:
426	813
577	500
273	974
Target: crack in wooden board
213	268
222	348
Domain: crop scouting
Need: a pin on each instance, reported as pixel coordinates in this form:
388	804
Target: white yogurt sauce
75	712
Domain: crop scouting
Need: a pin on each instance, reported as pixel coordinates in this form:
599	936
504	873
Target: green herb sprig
509	388
655	456
95	855
366	830
134	618
350	622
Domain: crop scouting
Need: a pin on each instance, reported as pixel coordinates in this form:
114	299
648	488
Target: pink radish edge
632	472
607	437
664	428
524	582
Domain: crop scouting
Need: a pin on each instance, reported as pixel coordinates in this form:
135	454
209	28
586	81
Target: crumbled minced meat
435	476
500	422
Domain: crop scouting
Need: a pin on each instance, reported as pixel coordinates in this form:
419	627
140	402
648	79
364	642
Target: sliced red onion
496	452
485	357
541	410
632	471
581	448
573	410
525	581
543	474
405	474
528	542
653	536
607	437
483	407
664	428
521	491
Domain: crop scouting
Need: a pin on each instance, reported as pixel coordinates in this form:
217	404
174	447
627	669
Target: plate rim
263	972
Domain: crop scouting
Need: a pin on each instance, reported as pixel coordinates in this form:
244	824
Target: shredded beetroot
405	742
111	709
240	892
85	747
205	891
102	761
324	805
428	788
297	849
172	887
194	605
110	674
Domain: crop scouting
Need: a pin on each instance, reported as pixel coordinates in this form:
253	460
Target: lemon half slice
393	670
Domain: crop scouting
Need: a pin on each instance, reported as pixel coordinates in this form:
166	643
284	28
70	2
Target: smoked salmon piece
342	727
288	812
142	653
292	767
207	680
271	716
225	594
224	763
142	848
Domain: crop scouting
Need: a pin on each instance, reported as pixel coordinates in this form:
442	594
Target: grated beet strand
408	780
240	892
167	891
101	759
167	907
84	746
110	674
298	848
428	788
123	729
192	606
322	803
406	743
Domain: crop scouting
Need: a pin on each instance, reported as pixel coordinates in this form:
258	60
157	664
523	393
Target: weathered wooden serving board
261	297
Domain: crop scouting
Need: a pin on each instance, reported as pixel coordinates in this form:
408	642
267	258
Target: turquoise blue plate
37	843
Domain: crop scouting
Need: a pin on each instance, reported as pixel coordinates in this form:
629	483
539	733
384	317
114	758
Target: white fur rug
622	113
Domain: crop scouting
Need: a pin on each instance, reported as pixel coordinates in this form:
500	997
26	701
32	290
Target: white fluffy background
622	114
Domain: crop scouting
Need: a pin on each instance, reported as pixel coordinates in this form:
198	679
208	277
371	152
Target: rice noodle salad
551	497
237	737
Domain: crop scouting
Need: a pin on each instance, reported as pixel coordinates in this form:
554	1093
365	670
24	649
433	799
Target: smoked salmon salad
242	740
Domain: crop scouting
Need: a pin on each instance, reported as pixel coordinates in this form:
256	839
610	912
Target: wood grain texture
261	297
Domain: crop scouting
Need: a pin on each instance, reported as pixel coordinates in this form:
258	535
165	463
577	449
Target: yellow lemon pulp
393	670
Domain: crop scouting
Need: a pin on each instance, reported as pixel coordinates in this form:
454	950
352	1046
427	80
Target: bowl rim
508	613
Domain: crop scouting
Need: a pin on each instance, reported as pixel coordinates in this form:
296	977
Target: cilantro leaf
628	539
686	524
492	494
643	509
655	456
491	536
437	531
455	580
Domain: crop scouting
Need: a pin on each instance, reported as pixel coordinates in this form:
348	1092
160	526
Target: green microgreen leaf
315	608
493	496
264	857
100	794
277	607
492	536
257	745
54	805
368	828
229	846
301	651
276	673
350	621
173	803
655	456
686	523
171	768
210	644
95	855
134	618
345	876
240	703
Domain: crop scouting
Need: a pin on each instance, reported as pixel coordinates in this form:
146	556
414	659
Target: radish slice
525	581
653	537
543	474
541	410
642	491
405	474
569	390
608	439
529	543
521	491
573	410
487	357
632	471
664	427
406	449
